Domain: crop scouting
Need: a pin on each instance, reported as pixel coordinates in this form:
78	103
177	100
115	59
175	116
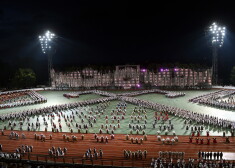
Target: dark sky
112	32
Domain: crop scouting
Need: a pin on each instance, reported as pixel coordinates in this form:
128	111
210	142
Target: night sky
112	32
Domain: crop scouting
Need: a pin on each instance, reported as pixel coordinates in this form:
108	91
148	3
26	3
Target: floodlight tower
48	47
216	34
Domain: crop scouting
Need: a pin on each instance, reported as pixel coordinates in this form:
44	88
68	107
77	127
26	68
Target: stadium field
56	97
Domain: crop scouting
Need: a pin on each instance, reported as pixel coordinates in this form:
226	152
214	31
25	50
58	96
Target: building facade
132	76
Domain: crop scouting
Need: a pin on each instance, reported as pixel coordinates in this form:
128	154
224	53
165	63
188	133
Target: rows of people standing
217	99
210	155
185	114
21	98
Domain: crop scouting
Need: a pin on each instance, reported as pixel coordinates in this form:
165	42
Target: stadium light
48	47
46	41
216	37
217	33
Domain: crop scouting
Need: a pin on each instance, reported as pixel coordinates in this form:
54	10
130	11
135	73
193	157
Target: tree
5	72
232	76
24	78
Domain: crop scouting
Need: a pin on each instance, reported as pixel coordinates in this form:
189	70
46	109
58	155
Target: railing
76	160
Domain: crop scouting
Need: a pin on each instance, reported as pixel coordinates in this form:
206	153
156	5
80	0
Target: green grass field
56	97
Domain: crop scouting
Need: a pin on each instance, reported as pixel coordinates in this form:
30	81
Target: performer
190	139
197	140
193	134
201	141
208	141
198	133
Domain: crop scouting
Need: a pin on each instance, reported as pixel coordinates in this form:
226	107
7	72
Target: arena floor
56	97
113	150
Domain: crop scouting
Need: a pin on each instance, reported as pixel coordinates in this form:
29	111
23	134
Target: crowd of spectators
190	163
